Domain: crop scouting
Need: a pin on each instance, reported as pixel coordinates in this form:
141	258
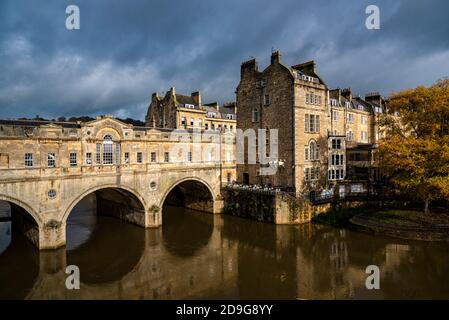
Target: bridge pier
52	235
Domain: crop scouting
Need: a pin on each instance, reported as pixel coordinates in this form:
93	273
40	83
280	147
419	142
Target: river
197	255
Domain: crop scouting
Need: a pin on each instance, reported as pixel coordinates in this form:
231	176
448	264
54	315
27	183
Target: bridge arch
203	200
138	203
24	206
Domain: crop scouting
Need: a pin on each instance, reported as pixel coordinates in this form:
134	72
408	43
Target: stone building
181	111
317	126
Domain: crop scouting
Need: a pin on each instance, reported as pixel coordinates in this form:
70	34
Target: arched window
312	151
108	149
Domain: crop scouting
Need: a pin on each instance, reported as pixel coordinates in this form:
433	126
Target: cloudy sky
125	50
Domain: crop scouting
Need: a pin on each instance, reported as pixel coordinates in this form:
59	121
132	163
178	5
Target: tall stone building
181	111
316	126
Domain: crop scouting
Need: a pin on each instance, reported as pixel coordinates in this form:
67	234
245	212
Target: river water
197	255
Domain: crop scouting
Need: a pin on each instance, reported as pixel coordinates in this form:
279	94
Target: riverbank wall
270	206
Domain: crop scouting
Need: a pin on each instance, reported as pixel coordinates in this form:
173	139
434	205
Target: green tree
415	150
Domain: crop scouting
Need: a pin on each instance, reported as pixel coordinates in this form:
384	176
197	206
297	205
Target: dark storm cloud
125	50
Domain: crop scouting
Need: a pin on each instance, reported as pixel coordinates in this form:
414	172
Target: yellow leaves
416	150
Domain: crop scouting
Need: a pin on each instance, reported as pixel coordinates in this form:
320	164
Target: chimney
335	94
374	97
196	97
275	57
347	93
248	67
173	91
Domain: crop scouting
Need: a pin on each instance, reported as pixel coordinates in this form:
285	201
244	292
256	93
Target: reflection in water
198	255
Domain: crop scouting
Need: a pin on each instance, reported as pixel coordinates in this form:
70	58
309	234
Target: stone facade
188	112
49	167
316	126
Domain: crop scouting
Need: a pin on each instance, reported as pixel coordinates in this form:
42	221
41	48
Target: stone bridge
46	169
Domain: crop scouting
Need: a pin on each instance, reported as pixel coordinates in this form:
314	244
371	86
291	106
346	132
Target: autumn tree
415	150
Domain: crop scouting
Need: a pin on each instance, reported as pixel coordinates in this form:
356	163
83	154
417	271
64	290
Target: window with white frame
312	123
350	135
28	159
337	159
72	159
255	115
266	99
336	143
364	120
108	149
88	158
350	118
334	115
51	160
364	136
117	153
98	154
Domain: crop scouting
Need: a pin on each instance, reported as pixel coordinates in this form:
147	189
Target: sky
126	50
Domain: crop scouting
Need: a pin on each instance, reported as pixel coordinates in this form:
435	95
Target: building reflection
204	256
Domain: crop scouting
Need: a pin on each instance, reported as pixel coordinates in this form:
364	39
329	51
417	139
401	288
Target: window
200	123
336	143
72	158
306	153
364	120
139	157
117	153
98	154
255	115
51	160
207	126
153	157
166	156
311	173
364	136
189	156
89	158
350	135
183	121
266	100
108	148
350	118
229	177
126	157
312	152
213	126
28	159
337	159
312	123
192	121
334	115
313	99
